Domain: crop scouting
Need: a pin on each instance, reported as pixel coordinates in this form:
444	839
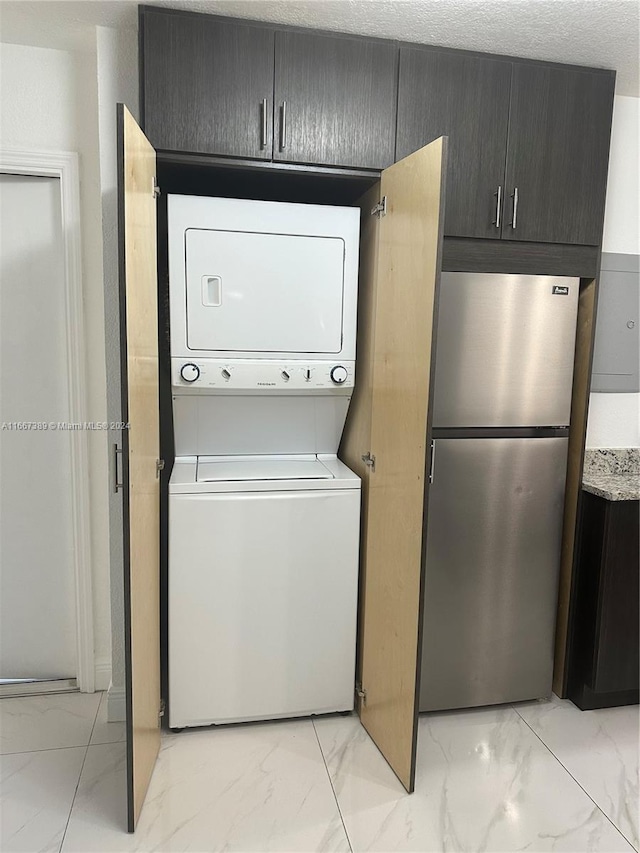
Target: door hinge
380	208
369	461
361	693
161	710
155	187
159	467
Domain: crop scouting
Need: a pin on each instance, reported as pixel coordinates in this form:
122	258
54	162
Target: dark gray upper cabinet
528	141
335	100
537	133
207	85
464	97
557	154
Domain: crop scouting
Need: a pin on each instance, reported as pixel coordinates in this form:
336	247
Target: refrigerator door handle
432	460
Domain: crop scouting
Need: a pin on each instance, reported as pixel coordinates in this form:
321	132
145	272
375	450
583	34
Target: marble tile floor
538	776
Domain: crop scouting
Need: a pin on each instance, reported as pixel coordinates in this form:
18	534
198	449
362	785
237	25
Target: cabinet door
335	100
616	655
557	154
388	418
141	450
467	99
207	85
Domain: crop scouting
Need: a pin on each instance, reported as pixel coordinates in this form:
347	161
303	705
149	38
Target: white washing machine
263	518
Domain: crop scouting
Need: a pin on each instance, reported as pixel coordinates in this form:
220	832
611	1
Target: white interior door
37	586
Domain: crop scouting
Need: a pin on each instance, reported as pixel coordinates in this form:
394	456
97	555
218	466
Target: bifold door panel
264	292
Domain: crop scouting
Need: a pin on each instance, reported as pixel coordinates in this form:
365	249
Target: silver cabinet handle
116	484
263	123
283	126
498	195
515	208
432	461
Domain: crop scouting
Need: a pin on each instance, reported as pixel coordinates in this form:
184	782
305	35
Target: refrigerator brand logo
560	290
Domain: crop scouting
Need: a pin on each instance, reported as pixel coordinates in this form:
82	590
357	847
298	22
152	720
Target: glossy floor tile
599	749
104	731
262	787
36	792
52	721
485	782
538	777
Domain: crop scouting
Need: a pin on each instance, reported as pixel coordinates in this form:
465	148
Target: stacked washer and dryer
264	519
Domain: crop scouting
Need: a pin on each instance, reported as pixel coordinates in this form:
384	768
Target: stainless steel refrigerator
502	399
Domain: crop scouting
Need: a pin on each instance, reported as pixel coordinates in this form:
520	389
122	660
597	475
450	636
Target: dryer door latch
369	461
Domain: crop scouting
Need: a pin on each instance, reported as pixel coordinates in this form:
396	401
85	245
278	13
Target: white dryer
263	518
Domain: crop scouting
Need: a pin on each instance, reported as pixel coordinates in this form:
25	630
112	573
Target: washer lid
212	469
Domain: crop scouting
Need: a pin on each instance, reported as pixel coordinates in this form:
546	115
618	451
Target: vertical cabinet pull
498	195
117	484
514	218
283	126
432	461
263	123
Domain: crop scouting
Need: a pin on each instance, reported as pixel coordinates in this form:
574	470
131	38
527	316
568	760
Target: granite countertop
612	473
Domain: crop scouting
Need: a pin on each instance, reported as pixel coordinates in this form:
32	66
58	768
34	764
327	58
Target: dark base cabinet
604	659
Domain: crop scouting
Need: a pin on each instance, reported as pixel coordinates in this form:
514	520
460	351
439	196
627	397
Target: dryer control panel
261	376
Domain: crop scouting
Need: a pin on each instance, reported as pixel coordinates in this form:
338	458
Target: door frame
63	165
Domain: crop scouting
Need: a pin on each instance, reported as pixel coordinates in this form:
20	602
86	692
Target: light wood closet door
389	418
141	450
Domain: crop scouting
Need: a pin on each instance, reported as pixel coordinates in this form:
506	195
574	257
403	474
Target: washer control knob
338	374
286	376
190	372
226	374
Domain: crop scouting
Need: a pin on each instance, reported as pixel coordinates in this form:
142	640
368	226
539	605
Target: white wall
49	101
622	211
614	419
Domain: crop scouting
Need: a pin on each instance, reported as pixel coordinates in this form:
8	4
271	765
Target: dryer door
264	293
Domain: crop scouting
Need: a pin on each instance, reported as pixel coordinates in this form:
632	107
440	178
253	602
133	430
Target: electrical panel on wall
616	359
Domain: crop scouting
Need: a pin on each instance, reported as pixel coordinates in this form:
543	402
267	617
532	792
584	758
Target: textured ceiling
601	33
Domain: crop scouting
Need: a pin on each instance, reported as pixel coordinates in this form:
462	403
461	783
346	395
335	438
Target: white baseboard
116	705
102	670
